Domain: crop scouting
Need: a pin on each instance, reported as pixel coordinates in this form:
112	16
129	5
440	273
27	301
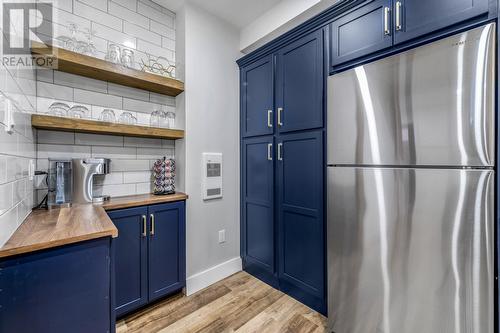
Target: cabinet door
414	18
257	246
363	31
65	289
167	244
299	84
301	247
131	259
257	97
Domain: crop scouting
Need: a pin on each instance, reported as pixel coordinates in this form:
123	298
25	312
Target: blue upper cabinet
299	84
131	257
363	31
414	18
258	228
257	98
301	224
167	258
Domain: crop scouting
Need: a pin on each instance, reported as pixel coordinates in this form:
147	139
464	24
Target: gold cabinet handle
152	217
269	118
144	226
387	30
399	26
280	121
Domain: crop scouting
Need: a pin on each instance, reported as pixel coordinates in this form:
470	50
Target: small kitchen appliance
84	172
60	183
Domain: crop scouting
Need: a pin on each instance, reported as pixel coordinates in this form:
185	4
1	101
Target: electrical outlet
222	236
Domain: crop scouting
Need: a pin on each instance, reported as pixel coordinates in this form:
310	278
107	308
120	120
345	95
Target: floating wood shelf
99	127
76	63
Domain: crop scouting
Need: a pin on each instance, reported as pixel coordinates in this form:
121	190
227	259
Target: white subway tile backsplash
138	24
142	33
143	188
77	81
51	137
63	151
130	4
167	43
114	153
115	190
3	168
137	177
155	49
130	165
153	153
6	197
94	98
98	140
114	35
49	90
162	29
99	4
119	90
155	15
163	99
67	5
128	15
142	142
96	15
8	224
139	106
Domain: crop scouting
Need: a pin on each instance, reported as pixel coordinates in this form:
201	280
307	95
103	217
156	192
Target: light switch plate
222	236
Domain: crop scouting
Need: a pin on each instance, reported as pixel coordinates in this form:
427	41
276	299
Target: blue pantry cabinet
380	24
150	254
258	245
283	168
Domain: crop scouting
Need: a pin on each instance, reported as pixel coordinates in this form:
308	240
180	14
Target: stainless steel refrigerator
411	155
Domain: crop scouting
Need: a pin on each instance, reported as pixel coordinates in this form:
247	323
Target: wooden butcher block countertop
44	229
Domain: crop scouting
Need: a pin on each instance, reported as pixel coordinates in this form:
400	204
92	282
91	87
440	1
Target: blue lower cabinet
301	227
167	255
131	259
66	289
150	254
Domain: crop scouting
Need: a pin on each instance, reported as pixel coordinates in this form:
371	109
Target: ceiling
237	12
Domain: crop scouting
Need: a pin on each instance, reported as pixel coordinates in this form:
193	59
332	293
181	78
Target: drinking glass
113	53
170	119
127	58
154	120
107	115
59	109
79	112
128	118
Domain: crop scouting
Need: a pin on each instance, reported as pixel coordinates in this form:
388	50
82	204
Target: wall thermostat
212	176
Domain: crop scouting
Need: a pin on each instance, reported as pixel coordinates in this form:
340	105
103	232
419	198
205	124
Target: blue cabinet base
66	289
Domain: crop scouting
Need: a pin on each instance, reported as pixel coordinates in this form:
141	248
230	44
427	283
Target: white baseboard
216	273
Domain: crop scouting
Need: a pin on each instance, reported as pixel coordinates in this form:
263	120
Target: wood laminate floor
239	303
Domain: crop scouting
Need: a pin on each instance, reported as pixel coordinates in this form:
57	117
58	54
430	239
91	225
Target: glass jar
127	58
170	119
78	112
113	54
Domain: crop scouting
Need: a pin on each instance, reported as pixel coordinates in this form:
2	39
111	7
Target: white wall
286	15
210	107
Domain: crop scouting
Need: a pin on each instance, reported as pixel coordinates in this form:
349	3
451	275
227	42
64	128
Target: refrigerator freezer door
410	250
433	105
